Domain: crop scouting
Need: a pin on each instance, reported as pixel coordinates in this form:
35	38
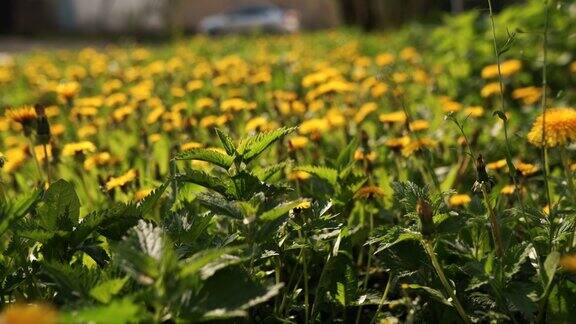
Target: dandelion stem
495	225
383	298
33	153
447	286
47	163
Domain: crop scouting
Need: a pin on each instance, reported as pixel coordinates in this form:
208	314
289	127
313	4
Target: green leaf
346	157
266	173
150	201
104	291
394	236
252	146
60	208
324	173
222	185
195	263
117	312
562	303
550	265
226	142
208	155
230	292
11	213
280	210
435	294
217	204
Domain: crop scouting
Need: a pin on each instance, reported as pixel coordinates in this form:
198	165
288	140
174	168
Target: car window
252	11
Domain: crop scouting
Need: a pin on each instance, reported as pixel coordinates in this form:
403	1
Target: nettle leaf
208	155
252	146
328	174
219	205
246	185
280	210
141	251
435	294
221	185
408	193
104	291
266	173
11	213
60	208
226	142
194	264
229	293
120	311
347	289
394	236
562	302
514	258
346	157
152	199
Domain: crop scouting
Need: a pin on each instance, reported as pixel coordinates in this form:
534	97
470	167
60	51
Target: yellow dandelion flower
560	128
449	105
490	89
194	85
418	125
96	160
528	95
385	59
14	159
142	193
299	175
305	204
121	180
526	169
393	117
507	68
508	190
568	262
364	111
359	155
298	142
369	192
84	147
497	165
255	123
24	116
39	151
314	125
25	314
474	111
68	90
459	200
397	142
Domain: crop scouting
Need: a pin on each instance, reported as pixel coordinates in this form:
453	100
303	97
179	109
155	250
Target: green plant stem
383	298
495	225
318	286
47	163
571	186
511	169
306	291
368	264
33	153
447	286
544	149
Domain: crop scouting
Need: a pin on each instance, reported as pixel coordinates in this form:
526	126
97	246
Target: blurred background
161	17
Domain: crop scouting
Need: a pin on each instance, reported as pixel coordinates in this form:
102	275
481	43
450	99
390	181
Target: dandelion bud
42	126
483	178
424	211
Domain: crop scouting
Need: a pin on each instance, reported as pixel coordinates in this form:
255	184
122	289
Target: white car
265	18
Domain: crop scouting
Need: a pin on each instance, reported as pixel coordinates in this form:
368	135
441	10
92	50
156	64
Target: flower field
424	175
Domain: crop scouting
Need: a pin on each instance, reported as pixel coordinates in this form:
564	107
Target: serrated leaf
23	205
252	146
60	208
195	263
435	294
223	186
346	157
217	204
280	210
394	236
266	173
149	201
324	173
226	142
208	155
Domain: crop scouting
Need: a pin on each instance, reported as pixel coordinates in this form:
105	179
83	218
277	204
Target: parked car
248	19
